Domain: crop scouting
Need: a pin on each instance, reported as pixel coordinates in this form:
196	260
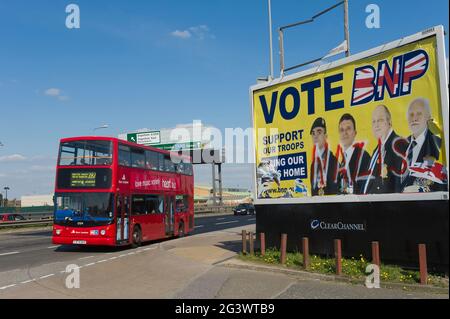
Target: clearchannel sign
317	224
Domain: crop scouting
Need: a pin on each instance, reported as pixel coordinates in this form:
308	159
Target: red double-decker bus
112	192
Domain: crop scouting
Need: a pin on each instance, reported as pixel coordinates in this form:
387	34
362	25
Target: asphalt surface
198	266
28	249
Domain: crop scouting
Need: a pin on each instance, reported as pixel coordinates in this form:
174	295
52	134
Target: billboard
370	127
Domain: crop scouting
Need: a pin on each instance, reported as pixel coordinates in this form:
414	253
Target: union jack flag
414	67
363	84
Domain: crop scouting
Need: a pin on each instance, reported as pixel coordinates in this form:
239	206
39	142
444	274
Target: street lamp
100	127
6	188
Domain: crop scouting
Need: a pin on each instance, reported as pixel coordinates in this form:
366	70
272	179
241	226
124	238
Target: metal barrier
39	218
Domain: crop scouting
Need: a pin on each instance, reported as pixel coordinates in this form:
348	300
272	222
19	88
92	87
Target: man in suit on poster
353	159
324	163
423	151
386	163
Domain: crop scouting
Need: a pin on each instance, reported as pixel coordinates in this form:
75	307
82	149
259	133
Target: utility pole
270	40
346	28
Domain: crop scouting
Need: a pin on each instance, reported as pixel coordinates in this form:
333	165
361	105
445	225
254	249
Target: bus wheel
137	237
181	230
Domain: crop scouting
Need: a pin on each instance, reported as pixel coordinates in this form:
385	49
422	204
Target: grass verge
353	268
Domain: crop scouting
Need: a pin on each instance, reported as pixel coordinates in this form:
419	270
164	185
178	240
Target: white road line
50	247
43	277
150	248
233	221
112	258
132	253
220	218
85	257
27	281
10	253
91	264
199	226
102	261
123	255
251	219
6	287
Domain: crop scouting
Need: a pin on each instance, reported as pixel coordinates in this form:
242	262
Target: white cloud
56	93
199	32
181	34
53	92
12	158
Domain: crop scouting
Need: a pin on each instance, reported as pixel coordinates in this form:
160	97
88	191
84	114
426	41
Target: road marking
251	219
6	287
233	221
27	281
221	218
123	255
43	277
132	253
85	257
10	253
112	258
91	264
149	248
199	226
50	247
102	261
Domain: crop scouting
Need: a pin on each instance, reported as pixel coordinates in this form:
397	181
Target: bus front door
123	213
169	215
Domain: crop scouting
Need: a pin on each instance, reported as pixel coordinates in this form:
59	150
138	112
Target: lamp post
100	127
6	188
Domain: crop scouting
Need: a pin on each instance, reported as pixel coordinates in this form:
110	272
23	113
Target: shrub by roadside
354	268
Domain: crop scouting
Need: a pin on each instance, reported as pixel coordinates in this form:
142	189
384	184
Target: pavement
200	266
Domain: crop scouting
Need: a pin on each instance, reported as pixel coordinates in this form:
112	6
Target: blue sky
132	64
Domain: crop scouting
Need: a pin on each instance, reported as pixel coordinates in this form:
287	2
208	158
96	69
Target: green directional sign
179	146
153	139
145	138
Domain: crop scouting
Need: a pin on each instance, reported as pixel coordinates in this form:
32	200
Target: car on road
11	218
244	209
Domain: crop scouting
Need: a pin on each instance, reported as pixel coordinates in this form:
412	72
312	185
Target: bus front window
85	152
89	207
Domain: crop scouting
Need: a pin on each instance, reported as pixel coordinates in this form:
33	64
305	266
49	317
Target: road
27	249
192	267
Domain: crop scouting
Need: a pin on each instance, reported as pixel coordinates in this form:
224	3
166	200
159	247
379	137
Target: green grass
353	268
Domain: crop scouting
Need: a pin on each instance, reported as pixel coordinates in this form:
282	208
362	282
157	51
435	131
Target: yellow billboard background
426	86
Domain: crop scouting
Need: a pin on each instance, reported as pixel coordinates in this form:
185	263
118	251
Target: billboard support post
423	264
283	249
262	237
338	255
376	253
305	244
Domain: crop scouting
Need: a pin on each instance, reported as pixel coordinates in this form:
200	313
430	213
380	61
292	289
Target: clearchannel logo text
317	224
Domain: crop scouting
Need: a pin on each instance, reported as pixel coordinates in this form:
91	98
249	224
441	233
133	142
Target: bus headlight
103	232
58	232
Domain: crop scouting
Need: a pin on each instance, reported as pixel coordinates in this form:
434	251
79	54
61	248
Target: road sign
145	138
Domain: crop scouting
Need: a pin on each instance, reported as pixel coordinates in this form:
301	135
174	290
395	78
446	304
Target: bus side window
124	155
151	160
161	162
138	206
137	158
